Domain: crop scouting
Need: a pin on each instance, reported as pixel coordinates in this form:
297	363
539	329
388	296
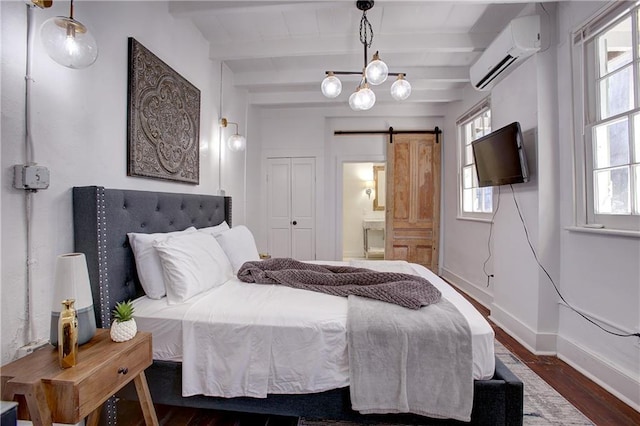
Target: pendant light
375	72
68	42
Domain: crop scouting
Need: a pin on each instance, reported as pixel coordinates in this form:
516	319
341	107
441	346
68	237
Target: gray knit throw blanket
410	291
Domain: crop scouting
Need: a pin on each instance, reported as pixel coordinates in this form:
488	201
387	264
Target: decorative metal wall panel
163	120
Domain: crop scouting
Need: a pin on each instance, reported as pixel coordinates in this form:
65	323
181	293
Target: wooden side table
47	393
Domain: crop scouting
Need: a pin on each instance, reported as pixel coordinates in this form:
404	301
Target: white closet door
291	211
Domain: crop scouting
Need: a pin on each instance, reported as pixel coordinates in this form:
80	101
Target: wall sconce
67	41
236	142
369	187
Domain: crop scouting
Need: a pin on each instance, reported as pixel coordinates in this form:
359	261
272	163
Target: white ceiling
279	51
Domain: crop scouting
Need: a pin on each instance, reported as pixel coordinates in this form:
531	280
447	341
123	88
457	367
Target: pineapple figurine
124	325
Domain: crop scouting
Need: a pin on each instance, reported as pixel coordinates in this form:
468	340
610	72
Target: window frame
469	116
587	118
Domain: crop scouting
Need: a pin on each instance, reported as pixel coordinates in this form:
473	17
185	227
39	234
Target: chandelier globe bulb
366	98
400	89
376	71
331	86
353	100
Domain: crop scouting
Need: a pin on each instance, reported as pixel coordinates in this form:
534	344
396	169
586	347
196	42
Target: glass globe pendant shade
366	98
68	42
236	143
400	89
331	86
352	101
376	71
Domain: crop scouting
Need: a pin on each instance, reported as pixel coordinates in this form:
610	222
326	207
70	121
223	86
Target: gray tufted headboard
101	219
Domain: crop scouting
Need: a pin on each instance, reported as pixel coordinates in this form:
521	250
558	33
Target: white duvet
245	339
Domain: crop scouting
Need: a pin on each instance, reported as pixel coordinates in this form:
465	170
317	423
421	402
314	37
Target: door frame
340	161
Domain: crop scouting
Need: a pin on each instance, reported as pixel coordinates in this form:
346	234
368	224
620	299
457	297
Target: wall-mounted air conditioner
519	40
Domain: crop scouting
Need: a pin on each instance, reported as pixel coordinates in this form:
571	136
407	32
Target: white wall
79	130
290	132
597	273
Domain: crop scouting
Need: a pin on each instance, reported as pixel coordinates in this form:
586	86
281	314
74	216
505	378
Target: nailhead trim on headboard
105	301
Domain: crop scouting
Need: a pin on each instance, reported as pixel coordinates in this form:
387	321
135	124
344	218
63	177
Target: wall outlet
31	347
30	177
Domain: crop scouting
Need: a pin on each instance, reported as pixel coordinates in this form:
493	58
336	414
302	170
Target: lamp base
86	325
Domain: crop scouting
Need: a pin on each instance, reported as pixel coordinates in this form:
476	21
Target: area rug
543	405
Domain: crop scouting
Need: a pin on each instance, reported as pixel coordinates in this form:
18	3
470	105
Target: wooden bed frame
102	218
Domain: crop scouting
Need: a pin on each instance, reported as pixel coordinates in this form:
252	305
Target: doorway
363	210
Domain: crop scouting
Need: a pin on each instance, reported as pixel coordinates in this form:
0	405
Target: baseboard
353	255
618	383
479	294
537	343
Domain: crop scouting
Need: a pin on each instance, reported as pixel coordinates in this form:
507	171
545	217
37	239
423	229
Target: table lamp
72	282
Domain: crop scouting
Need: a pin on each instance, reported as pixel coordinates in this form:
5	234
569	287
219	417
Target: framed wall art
163	120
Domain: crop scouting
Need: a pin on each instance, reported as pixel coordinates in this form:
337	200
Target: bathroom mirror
380	187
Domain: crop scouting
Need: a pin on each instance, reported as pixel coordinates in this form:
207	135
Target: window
606	82
473	201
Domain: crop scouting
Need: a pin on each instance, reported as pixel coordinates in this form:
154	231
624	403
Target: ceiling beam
347	45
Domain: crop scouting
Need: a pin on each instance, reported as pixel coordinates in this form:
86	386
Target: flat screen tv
500	157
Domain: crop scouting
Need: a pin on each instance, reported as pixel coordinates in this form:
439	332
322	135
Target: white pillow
147	260
217	229
239	245
192	263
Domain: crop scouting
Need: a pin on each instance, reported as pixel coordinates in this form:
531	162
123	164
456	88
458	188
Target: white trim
476	219
536	342
481	295
616	381
604	231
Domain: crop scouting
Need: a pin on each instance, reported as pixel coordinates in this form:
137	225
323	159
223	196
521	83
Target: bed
102	219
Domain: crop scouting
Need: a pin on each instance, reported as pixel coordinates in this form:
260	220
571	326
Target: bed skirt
498	401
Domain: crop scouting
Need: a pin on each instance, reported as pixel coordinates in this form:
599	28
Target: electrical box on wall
30	177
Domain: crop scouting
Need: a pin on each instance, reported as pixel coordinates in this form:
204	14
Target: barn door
413	199
291	207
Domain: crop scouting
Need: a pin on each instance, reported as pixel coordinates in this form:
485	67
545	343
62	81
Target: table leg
36	401
146	403
94	417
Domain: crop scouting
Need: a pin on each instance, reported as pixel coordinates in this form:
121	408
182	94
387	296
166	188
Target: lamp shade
72	282
236	142
68	42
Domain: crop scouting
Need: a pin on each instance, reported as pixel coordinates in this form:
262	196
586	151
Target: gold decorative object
68	335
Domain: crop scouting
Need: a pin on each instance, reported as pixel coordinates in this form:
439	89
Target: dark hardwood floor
591	399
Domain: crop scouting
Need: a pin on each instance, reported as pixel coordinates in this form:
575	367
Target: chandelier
373	73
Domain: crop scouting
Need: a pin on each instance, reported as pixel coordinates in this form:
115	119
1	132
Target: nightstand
47	393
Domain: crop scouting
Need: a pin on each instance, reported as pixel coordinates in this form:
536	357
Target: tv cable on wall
535	256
